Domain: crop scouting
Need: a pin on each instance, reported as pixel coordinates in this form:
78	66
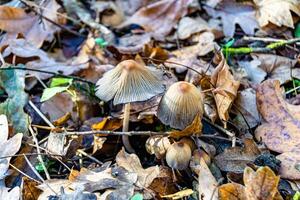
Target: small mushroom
129	81
180	105
178	155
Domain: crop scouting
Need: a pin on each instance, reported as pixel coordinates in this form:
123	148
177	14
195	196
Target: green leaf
13	82
229	43
137	196
297	31
101	42
296	196
50	92
61	81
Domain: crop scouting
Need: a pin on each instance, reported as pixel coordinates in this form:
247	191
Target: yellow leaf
100	125
180	194
195	128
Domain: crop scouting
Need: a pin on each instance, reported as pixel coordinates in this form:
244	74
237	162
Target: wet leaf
13	82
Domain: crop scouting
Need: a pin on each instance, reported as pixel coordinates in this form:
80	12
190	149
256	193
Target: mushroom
178	155
180	105
129	81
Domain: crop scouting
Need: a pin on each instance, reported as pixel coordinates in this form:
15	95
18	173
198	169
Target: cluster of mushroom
132	81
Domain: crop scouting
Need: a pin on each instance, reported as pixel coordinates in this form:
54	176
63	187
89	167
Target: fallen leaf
281	131
290	165
8	147
195	128
24	49
225	89
278	67
235	159
277	12
179	195
130	6
254	73
261	184
153	16
10	194
132	163
233	13
36	30
13	82
246	109
207	183
188	26
30	191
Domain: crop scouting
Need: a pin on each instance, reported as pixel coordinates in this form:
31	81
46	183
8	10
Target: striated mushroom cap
180	105
128	82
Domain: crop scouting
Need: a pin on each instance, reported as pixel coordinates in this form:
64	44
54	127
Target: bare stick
41	114
24	174
90	157
39	155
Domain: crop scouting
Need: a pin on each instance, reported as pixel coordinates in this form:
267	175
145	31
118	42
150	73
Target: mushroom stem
125	138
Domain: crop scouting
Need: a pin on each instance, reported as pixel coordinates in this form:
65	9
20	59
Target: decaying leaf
261	184
195	128
281	131
132	163
277	67
207	183
225	89
233	13
235	159
153	16
13	82
246	110
277	12
179	195
188	26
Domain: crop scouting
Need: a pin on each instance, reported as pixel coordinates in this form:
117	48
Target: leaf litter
236	62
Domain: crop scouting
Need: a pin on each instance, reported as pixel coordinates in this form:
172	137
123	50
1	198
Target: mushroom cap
180	105
178	155
128	82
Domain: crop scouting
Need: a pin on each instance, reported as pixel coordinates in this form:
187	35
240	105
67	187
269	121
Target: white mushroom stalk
129	82
180	104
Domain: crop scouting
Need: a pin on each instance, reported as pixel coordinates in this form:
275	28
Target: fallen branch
268	48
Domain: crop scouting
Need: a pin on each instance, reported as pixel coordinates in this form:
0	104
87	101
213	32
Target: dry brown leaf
188	26
160	17
261	184
277	67
225	89
132	164
277	12
36	30
207	183
246	109
235	159
195	128
281	131
233	13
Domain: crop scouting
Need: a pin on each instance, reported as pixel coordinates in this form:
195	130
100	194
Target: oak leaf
261	184
277	12
159	17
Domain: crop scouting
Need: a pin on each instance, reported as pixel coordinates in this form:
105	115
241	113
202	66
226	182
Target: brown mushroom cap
178	155
180	105
129	82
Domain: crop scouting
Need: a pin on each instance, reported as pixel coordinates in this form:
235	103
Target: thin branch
48	72
41	114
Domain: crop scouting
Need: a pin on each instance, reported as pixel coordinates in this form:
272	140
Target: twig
250	38
41	114
49	72
24	174
268	48
38	175
90	157
39	155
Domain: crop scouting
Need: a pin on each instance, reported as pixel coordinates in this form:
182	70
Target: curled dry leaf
195	128
233	13
153	16
261	184
235	159
225	89
277	12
